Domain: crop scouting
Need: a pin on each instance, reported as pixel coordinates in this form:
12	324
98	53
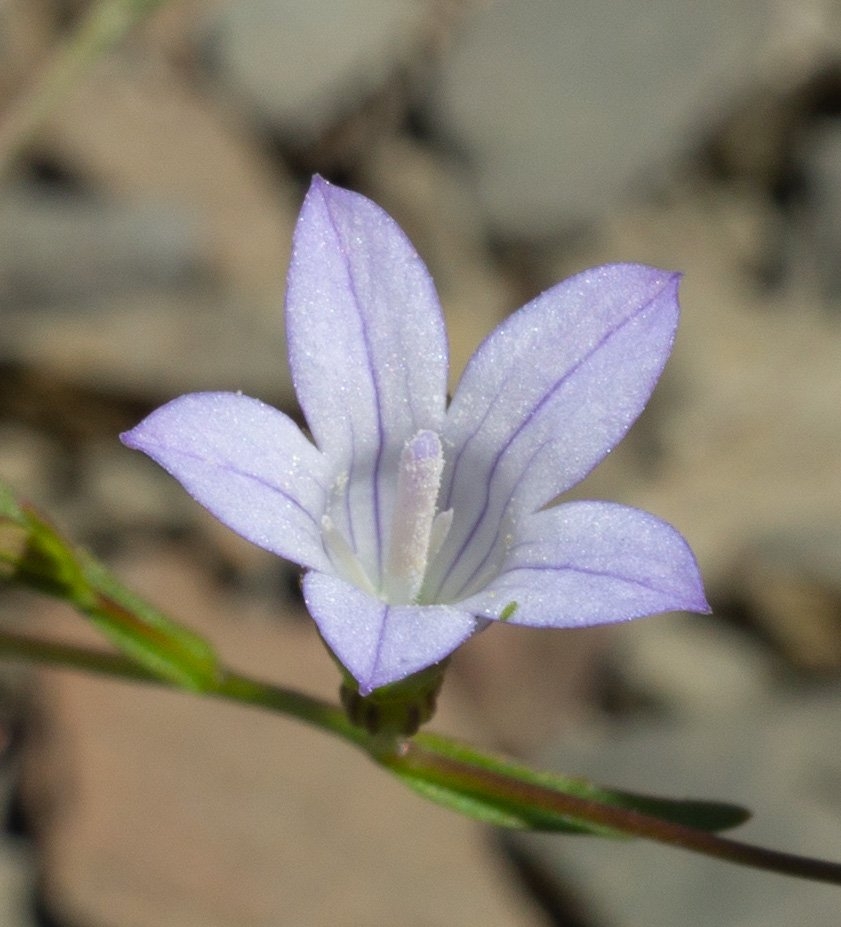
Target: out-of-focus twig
100	29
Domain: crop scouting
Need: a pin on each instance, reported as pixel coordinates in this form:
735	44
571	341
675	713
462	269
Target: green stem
237	688
100	29
230	686
440	761
70	656
435	767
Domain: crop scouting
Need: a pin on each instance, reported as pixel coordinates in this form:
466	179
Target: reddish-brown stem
493	785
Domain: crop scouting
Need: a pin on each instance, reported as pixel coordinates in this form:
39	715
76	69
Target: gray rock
790	581
301	65
816	242
117	491
73	248
17	883
25	34
138	132
564	106
780	760
693	665
155	344
29	461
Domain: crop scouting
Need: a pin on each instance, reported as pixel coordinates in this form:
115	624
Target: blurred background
144	238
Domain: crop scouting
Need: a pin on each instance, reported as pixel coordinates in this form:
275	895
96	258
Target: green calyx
396	710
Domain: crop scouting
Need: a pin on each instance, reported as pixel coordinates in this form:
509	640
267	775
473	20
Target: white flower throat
417	531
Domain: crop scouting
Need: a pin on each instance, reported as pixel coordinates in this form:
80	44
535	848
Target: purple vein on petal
584	571
375	662
376	388
481	566
229	468
351	533
525	420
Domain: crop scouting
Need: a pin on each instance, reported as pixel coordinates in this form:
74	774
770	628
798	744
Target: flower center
417	530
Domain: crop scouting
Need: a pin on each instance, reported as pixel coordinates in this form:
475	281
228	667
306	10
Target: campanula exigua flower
417	523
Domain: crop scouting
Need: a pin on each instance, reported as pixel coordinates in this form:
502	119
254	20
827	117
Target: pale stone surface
693	665
155	343
136	130
564	107
529	685
17	883
155	807
28	460
778	757
72	249
25	34
817	224
302	66
791	583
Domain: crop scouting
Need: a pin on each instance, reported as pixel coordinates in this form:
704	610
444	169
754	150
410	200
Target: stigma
418	529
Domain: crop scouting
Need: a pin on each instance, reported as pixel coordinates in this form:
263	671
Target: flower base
396	710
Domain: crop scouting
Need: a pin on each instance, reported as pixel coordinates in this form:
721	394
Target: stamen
344	557
440	529
418	481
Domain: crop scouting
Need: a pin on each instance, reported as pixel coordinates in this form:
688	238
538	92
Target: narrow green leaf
34	554
469	781
139	630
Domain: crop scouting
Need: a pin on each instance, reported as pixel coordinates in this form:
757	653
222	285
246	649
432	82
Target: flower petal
586	563
379	643
367	349
247	463
548	394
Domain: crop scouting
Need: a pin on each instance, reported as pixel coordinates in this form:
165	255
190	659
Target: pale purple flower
417	522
